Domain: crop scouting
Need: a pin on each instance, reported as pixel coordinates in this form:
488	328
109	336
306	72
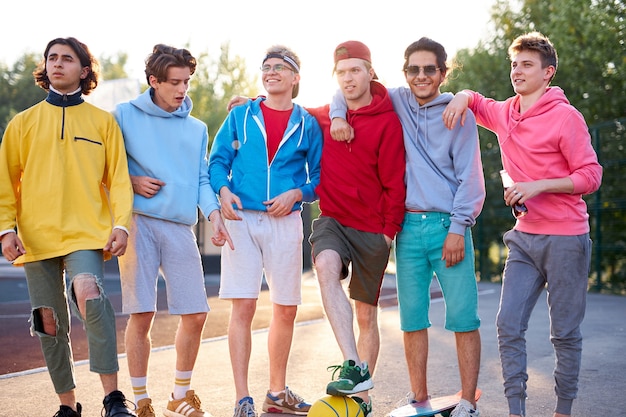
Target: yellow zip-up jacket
63	177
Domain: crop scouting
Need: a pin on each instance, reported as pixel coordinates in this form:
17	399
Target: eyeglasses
276	68
414	70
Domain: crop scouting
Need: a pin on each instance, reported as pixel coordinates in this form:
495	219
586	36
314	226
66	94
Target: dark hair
89	83
163	57
427	44
536	42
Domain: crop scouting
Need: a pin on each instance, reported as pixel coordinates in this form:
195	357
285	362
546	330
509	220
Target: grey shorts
366	253
160	247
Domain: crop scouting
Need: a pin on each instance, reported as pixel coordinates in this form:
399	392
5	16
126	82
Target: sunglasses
414	70
276	68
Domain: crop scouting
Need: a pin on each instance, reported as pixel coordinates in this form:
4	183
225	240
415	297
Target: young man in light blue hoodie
264	163
445	192
168	165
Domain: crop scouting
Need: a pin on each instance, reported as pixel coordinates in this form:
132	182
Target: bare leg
188	339
138	343
336	304
468	352
279	344
240	342
416	353
368	344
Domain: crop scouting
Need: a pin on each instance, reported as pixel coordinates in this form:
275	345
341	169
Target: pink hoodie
550	140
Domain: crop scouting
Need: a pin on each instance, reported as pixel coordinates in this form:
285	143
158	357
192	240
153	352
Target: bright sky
312	29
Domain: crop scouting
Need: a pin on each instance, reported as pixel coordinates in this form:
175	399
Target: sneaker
286	402
245	408
409	398
65	411
366	407
144	408
116	405
185	407
464	409
352	379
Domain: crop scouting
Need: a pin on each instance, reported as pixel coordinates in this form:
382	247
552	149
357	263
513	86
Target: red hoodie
362	182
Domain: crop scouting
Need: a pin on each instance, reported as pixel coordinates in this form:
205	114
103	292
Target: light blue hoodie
173	148
239	158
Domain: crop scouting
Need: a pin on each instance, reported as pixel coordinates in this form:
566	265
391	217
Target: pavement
602	385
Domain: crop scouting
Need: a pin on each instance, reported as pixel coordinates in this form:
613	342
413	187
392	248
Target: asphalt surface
602	386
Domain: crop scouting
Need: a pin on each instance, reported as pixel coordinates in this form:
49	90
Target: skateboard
439	405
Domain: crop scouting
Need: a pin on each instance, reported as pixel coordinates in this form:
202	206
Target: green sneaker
366	407
352	379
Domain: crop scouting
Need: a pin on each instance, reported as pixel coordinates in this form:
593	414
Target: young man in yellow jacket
65	188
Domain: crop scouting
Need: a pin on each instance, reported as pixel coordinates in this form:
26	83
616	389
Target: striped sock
182	384
140	387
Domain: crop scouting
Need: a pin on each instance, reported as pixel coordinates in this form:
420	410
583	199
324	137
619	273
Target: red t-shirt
275	125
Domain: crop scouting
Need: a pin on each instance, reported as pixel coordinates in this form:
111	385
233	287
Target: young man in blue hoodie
445	192
265	162
168	164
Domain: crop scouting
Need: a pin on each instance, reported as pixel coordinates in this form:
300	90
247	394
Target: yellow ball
335	406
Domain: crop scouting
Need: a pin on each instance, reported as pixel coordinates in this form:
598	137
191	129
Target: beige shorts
265	247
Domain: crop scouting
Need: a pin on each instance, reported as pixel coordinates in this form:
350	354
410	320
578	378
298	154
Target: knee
327	265
286	314
243	309
45	321
194	321
85	287
140	322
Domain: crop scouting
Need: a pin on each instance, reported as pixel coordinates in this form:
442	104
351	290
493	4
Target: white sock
182	384
140	387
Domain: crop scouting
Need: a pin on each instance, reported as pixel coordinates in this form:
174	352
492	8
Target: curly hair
163	57
89	83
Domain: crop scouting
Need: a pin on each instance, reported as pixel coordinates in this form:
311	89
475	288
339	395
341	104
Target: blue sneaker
245	408
287	402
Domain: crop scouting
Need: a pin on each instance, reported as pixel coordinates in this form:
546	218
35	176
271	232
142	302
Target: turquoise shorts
418	259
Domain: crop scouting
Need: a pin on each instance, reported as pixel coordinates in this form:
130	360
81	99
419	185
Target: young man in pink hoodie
546	148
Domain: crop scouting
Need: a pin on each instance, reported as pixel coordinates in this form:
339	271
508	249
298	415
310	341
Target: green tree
590	40
215	83
113	67
18	90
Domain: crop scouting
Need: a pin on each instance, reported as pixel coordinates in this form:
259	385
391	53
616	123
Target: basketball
335	406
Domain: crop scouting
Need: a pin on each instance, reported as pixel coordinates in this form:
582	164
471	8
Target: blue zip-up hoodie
173	148
239	158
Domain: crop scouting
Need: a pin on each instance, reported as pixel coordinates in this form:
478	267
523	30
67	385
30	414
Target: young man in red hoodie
546	148
361	198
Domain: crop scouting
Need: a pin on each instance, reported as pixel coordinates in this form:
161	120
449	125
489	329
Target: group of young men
391	164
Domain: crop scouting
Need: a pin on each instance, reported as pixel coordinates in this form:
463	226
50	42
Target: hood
144	103
554	96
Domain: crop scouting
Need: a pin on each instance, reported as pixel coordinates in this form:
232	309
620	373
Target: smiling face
424	87
527	75
170	94
64	69
279	82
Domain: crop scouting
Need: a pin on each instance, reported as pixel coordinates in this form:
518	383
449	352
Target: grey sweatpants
559	264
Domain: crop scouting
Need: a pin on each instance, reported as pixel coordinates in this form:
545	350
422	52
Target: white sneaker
409	398
464	409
